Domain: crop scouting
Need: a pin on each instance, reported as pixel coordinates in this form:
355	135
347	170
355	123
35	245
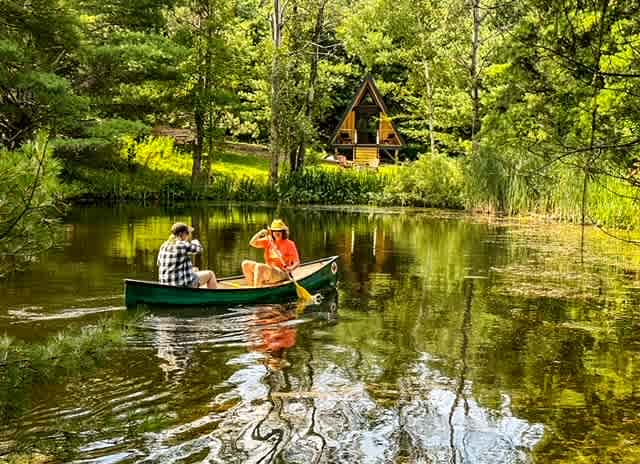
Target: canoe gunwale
151	283
132	286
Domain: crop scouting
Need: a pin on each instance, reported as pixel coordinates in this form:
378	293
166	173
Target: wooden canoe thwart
313	276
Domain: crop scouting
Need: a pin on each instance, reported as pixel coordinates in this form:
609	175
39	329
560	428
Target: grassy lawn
226	163
235	164
248	165
157	155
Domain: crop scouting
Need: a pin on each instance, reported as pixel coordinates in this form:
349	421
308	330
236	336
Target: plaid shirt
174	262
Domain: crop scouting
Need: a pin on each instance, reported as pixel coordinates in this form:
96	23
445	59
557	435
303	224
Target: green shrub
157	153
432	180
111	129
314	156
102	147
322	186
30	201
251	189
95	152
23	365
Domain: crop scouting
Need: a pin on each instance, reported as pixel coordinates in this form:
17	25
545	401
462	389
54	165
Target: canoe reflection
271	330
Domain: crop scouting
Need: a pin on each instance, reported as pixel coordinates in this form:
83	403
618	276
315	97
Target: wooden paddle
302	292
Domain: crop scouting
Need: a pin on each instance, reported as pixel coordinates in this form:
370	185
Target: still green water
450	340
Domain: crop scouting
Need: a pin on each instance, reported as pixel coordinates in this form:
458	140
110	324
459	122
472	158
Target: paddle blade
302	293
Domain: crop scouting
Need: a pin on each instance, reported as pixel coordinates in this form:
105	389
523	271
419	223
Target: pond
450	338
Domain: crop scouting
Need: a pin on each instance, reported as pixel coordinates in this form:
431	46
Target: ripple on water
323	412
34	313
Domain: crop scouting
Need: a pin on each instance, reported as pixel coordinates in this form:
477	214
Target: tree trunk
275	137
197	149
430	116
597	83
475	76
208	85
294	155
299	156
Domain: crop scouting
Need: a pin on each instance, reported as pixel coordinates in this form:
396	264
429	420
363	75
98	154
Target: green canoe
313	276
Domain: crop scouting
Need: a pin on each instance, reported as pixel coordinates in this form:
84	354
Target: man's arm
191	248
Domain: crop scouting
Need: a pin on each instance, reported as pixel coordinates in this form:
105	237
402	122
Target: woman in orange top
280	256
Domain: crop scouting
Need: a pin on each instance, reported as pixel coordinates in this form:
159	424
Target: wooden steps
367	157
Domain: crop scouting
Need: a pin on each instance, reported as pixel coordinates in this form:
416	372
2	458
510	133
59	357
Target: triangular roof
367	84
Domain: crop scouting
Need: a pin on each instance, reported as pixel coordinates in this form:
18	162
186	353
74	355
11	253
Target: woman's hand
292	267
257	239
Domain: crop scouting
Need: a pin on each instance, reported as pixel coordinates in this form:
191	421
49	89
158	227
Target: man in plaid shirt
174	260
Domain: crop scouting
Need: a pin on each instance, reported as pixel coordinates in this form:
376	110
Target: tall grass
614	203
486	182
519	186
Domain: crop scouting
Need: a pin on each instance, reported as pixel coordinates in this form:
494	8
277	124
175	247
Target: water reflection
290	400
447	341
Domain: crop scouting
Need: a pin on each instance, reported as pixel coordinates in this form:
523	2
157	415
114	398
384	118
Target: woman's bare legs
248	269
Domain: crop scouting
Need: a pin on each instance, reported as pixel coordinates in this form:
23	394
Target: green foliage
110	129
615	203
559	94
37	42
485	179
414	54
96	152
133	75
521	186
103	145
154	170
24	365
30	199
322	186
135	15
432	180
314	156
157	153
561	106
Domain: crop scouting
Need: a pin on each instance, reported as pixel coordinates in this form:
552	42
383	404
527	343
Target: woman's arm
294	258
260	239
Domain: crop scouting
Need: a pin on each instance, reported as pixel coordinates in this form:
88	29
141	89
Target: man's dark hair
180	228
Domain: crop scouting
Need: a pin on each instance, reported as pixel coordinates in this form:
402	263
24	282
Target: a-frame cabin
365	129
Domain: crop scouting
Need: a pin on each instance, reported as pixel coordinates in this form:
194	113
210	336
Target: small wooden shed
365	129
181	136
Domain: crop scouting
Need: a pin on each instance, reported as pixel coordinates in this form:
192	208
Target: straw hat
278	224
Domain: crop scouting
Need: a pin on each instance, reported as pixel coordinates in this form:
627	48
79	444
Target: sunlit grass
233	164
